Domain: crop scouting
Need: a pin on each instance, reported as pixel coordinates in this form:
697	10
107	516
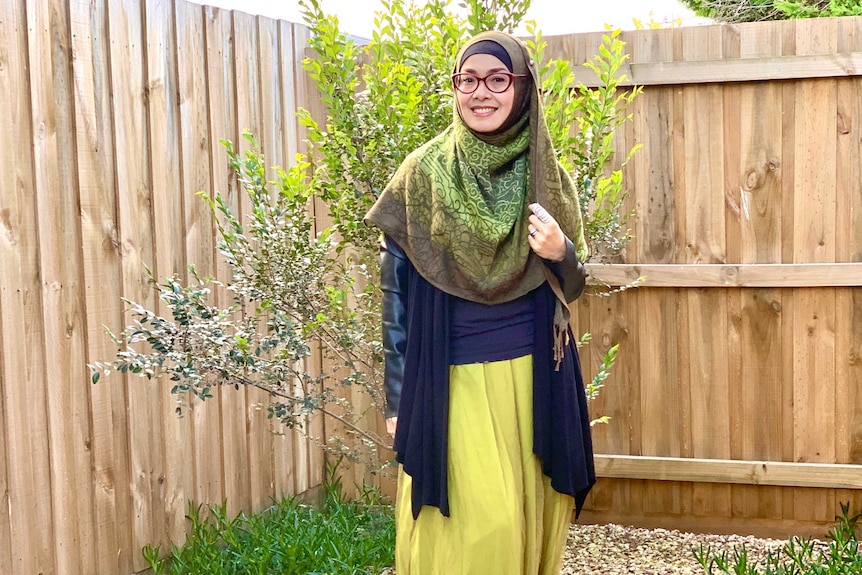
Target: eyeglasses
497	82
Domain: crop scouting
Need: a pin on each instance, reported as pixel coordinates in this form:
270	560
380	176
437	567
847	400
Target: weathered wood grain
28	526
96	168
66	377
163	126
126	28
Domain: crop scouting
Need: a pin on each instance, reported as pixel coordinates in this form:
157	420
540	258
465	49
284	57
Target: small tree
290	295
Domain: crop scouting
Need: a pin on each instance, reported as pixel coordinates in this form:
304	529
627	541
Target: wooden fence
113	111
736	403
743	347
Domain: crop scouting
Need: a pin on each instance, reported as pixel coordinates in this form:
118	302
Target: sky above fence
552	16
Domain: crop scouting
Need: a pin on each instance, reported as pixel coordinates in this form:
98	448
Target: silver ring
534	232
542	214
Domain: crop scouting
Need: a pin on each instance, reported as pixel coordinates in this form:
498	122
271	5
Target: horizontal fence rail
724	275
777	473
735	70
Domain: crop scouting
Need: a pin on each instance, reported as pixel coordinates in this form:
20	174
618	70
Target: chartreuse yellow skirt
505	519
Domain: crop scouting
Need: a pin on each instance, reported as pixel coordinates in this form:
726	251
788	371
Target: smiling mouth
483	111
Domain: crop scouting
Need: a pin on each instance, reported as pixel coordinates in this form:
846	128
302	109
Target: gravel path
613	549
616	550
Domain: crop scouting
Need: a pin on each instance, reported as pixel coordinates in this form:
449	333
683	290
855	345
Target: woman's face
483	110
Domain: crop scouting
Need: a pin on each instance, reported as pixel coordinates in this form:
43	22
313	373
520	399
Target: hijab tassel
561	319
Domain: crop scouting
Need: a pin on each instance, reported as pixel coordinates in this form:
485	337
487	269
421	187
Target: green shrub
732	11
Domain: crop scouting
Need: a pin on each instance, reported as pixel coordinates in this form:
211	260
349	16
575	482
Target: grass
340	537
842	555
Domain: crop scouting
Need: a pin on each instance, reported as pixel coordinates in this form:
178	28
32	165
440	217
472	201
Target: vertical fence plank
198	223
848	304
710	394
290	71
24	385
248	106
168	237
5	518
706	242
283	460
852	337
754	226
657	162
66	376
223	126
620	398
303	91
134	188
759	397
102	279
273	83
732	96
661	396
814	241
787	222
309	457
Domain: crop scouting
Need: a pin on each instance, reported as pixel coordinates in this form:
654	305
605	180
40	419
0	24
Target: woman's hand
391	424
546	238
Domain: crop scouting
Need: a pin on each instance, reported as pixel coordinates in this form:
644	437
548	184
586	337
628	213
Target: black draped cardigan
561	425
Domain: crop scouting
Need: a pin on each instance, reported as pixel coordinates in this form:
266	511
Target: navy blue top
480	332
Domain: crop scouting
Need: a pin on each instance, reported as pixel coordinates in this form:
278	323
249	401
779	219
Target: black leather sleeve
394	267
570	272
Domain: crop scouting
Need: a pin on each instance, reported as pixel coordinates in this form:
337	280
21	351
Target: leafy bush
732	11
407	100
820	8
841	556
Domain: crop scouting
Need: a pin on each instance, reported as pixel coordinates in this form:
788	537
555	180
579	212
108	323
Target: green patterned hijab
458	206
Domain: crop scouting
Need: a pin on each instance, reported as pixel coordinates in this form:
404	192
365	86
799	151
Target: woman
483	240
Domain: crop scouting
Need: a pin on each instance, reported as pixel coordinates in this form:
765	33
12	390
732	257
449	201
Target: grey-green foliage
732	11
290	296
